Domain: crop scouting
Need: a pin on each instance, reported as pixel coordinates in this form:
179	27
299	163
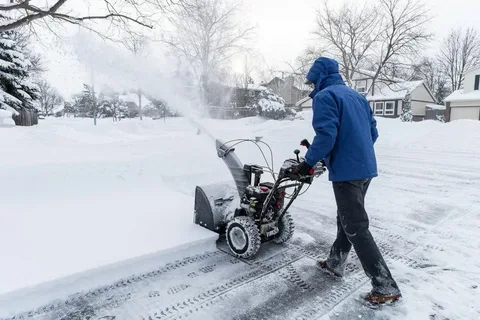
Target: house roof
459	95
435	106
133	97
394	91
475	68
256	87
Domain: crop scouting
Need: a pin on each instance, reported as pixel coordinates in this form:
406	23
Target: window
389	108
477	81
378	108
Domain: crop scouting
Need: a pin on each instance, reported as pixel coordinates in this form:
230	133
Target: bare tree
120	13
136	45
459	52
48	97
402	33
206	35
381	38
349	34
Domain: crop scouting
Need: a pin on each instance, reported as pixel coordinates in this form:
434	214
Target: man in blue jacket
345	135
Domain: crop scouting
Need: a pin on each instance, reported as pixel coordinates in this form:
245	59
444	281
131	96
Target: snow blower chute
251	212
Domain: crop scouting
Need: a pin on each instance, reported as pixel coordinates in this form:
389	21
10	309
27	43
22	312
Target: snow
436	106
256	87
394	91
269	105
81	197
6	118
459	95
133	97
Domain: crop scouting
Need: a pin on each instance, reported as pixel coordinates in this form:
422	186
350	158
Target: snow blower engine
251	212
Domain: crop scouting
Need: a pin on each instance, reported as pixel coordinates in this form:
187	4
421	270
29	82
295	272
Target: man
345	135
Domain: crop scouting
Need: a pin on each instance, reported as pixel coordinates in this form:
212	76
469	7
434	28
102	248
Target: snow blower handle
305	143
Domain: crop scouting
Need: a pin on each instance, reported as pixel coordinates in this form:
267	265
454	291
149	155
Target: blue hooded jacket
344	125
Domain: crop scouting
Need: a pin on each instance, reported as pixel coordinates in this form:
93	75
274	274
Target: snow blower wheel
243	237
286	227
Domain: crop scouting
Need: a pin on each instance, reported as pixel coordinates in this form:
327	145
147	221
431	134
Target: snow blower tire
243	237
286	227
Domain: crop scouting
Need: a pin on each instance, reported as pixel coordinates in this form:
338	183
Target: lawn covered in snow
75	197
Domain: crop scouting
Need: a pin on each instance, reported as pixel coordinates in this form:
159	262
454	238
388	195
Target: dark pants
352	224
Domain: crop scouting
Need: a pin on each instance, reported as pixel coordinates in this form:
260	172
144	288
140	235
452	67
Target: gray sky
283	30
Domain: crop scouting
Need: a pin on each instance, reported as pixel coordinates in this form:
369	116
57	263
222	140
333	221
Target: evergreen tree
407	115
442	92
16	90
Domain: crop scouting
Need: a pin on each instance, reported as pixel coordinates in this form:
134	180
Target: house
465	103
286	89
387	96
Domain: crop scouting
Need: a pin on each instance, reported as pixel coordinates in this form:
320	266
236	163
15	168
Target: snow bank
6	119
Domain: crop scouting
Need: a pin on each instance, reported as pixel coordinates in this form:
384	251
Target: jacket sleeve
373	126
325	123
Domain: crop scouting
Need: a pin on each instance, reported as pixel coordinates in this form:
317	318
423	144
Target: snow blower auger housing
253	211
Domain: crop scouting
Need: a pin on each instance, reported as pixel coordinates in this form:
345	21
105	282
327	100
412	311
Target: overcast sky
285	26
284	29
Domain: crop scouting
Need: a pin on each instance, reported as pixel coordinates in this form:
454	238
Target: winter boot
337	272
376	299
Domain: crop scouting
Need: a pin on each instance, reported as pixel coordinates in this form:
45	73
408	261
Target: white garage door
458	113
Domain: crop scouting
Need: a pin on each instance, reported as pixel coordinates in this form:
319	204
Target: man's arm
325	123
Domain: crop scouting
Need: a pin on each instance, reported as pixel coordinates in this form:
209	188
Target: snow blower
251	212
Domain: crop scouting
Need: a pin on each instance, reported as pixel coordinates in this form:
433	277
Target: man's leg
354	219
339	251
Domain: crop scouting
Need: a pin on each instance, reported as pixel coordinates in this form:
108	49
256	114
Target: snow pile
6	118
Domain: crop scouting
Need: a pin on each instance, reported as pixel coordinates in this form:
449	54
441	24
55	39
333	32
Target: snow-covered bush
272	106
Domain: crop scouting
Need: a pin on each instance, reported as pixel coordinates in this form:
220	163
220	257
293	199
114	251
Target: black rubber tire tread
286	229
253	236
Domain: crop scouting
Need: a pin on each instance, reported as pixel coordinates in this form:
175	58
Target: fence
231	113
25	118
434	114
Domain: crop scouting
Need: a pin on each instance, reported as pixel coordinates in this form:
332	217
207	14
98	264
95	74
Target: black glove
304	169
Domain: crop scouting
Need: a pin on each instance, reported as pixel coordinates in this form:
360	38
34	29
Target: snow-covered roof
475	68
435	106
256	87
133	97
460	96
394	91
58	108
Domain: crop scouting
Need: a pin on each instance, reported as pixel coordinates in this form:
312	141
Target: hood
323	73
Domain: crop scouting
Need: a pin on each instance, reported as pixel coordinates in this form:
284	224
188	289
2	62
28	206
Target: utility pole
94	99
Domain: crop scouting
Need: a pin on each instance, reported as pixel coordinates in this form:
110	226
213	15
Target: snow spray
123	70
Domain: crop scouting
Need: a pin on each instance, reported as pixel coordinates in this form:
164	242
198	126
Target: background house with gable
387	96
465	103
